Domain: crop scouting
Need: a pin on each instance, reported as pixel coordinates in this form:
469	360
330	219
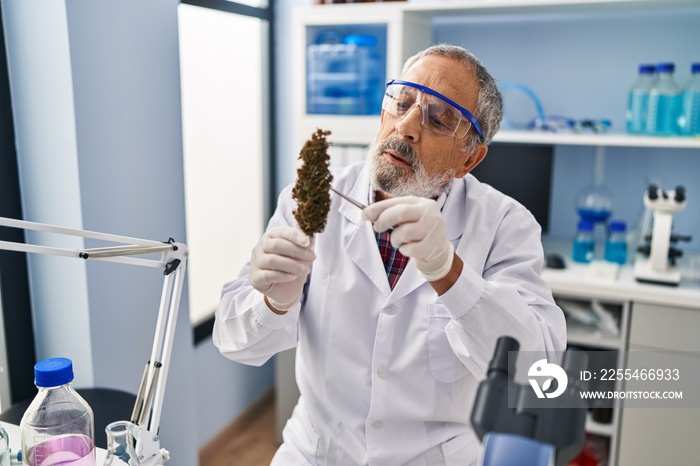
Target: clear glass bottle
120	445
4	447
616	243
584	245
689	121
58	427
664	103
638	101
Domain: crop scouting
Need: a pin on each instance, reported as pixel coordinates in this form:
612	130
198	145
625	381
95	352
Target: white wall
96	97
95	88
286	155
44	113
224	127
225	389
224	123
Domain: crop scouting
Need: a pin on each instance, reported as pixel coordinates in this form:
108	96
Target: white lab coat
388	377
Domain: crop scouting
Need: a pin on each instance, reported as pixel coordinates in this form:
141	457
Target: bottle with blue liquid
616	243
584	244
638	102
664	103
689	121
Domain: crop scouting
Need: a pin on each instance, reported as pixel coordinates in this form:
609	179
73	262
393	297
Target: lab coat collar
360	191
356	245
455	210
370	262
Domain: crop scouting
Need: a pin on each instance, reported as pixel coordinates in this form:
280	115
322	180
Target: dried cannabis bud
311	190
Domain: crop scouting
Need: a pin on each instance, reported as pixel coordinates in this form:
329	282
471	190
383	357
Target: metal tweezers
352	201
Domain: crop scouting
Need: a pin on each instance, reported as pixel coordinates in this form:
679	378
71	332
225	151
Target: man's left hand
418	232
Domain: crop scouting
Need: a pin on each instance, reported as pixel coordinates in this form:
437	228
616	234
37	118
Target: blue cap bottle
58	427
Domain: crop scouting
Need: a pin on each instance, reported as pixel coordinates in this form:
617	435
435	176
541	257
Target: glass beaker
120	445
593	203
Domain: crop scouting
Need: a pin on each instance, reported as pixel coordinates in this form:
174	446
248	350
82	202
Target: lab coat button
378	424
389	310
383	372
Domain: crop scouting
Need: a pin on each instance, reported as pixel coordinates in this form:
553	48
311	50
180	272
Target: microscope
524	425
658	253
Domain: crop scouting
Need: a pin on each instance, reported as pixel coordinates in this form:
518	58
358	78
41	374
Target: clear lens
436	115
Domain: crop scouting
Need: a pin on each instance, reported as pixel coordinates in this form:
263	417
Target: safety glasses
439	114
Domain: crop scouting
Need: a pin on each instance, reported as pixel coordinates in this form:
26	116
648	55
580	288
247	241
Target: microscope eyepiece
500	363
680	194
653	192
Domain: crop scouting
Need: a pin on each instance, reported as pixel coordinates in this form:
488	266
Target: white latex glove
418	232
279	266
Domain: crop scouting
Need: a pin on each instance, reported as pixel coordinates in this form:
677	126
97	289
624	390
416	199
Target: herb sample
312	189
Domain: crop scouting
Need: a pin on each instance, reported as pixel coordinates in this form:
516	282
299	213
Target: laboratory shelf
573	281
448	8
605	140
585	336
352	130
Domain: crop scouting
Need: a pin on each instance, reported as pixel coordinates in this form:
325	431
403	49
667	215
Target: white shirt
388	377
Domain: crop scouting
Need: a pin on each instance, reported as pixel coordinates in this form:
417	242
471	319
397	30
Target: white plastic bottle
58	427
664	103
638	102
689	122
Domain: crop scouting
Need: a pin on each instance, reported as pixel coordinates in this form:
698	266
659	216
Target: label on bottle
664	110
689	122
637	112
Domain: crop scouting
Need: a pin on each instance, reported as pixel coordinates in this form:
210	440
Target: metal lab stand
173	262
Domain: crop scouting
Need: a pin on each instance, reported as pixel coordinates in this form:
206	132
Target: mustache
402	148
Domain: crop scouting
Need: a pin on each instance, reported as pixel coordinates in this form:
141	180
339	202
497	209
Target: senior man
395	309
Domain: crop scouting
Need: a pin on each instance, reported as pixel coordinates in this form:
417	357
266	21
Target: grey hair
489	106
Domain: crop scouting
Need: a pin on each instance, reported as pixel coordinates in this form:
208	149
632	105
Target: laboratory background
184	120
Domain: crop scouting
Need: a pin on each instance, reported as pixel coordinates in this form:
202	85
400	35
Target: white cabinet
665	327
652	318
657	435
405	35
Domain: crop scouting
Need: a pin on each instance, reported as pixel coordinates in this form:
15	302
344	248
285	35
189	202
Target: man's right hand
279	266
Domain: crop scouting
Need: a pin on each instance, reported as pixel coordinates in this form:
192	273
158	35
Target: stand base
645	274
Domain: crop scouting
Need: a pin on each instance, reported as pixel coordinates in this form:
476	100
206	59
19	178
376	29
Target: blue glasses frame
466	113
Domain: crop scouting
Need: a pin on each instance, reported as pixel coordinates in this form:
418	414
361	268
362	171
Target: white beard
394	181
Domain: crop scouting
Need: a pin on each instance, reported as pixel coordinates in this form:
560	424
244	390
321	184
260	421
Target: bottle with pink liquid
58	428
